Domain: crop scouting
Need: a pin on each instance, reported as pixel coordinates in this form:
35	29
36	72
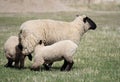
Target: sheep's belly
47	60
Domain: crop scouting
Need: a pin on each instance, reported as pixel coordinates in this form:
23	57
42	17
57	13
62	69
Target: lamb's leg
69	66
64	65
69	61
9	64
48	66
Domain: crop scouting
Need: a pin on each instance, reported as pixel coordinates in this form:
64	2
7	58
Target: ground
97	58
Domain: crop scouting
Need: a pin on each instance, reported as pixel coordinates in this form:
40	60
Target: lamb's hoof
46	67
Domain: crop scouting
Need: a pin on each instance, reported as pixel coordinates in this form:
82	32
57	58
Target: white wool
60	50
31	32
10	47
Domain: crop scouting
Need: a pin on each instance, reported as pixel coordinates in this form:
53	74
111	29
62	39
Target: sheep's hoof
7	65
69	66
16	66
21	67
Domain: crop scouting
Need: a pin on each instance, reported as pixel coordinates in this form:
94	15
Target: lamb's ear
40	42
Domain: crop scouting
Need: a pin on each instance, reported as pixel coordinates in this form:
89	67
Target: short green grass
97	58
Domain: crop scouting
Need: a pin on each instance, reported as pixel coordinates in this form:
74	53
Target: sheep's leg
9	64
17	60
69	66
64	65
16	63
22	60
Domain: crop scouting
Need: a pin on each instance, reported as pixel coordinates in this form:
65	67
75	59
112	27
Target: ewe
51	31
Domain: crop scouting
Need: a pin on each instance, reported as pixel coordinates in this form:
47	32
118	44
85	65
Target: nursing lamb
62	50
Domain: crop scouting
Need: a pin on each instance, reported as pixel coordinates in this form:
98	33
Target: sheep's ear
40	42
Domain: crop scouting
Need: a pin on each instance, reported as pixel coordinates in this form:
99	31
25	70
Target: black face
91	22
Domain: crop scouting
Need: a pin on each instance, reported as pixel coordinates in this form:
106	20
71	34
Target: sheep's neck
79	27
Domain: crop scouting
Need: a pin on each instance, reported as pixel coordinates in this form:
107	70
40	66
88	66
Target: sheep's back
10	46
49	30
58	50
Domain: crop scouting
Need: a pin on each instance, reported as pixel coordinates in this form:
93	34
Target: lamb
51	31
62	50
12	52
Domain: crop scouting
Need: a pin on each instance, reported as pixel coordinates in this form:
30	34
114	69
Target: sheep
61	50
13	52
51	31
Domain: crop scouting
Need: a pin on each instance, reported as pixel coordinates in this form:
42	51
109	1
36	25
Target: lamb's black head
91	23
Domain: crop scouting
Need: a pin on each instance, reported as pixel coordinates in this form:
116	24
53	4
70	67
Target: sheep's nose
94	26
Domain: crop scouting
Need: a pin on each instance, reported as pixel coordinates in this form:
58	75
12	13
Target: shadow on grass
54	68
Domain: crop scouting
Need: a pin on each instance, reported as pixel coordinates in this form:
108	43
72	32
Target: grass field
97	58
